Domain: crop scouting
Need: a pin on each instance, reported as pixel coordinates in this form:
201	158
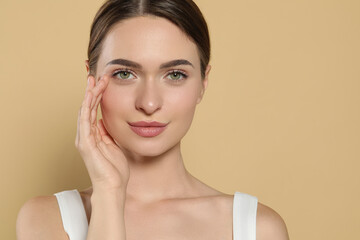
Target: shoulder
269	224
39	218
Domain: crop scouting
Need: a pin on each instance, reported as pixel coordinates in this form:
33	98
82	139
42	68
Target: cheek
184	103
115	102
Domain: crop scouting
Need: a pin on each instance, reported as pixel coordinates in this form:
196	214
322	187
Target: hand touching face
154	71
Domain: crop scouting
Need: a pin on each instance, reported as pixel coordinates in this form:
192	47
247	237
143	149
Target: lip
147	129
147	124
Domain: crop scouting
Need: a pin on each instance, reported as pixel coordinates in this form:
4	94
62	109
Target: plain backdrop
280	118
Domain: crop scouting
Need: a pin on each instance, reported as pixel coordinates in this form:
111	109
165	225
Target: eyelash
122	70
183	74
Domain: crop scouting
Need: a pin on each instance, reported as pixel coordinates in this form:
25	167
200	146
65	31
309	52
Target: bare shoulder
39	218
269	224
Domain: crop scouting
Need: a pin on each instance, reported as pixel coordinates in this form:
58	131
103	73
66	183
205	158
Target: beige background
280	119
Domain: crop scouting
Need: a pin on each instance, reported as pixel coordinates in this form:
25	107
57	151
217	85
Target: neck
160	177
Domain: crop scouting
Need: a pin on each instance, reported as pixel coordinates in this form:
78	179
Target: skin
156	166
162	198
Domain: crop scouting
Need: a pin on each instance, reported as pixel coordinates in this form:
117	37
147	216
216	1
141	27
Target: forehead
149	40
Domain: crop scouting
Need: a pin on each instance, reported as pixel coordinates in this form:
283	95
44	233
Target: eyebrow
132	64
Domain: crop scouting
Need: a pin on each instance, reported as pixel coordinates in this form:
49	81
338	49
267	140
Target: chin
147	149
145	153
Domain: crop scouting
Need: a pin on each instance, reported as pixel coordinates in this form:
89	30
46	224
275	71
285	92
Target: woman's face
148	83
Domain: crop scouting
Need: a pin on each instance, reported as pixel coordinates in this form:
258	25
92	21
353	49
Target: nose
149	99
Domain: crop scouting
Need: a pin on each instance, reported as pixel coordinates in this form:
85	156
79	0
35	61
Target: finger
98	89
90	83
105	136
105	151
84	125
104	148
101	90
97	134
85	116
106	80
113	155
94	110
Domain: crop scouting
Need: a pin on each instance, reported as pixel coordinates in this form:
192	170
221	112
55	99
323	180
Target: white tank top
76	225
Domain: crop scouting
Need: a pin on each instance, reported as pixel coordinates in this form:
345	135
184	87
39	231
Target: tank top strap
244	216
73	214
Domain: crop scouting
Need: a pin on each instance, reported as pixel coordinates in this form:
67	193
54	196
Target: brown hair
183	13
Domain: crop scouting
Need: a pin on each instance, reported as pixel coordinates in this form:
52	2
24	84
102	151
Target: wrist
107	196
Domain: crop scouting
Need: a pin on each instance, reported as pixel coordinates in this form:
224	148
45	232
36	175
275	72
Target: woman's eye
123	74
176	76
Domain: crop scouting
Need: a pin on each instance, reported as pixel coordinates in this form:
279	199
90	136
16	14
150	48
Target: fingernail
88	80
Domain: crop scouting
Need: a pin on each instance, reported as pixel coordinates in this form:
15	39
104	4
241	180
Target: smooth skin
140	186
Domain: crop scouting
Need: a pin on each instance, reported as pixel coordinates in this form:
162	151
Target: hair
183	13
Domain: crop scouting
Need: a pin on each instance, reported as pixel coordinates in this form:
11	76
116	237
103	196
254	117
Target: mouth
147	129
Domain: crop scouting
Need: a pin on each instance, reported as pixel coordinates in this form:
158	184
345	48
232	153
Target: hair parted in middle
183	13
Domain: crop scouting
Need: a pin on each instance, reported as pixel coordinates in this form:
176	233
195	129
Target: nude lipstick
147	129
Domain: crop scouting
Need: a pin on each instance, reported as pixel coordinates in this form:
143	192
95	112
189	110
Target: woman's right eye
123	74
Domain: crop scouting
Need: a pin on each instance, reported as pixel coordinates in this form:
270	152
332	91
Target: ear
87	66
205	82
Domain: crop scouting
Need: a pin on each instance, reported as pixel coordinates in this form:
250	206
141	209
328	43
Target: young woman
148	68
